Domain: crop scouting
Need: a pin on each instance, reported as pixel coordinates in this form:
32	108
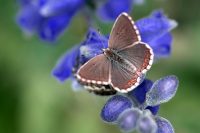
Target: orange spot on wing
131	82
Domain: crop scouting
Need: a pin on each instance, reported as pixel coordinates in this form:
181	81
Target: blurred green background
32	101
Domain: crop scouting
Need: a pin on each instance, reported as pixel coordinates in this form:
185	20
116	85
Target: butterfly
121	66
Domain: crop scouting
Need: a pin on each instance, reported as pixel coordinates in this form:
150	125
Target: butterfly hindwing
122	79
124	33
140	55
95	71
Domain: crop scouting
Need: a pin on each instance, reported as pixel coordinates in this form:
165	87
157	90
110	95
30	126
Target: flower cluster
138	109
134	111
49	18
154	29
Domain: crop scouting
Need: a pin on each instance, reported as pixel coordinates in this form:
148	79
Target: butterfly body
121	66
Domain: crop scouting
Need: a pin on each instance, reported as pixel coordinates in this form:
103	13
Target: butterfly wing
95	71
122	79
140	55
124	32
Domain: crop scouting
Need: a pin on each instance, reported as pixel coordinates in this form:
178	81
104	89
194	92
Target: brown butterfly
121	66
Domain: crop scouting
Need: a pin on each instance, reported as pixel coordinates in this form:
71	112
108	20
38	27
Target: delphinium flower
137	110
49	18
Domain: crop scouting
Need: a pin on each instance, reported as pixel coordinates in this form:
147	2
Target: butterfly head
107	51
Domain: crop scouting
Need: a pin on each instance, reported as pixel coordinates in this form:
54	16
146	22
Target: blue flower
127	120
154	29
54	7
65	65
32	20
154	109
139	94
49	18
162	91
139	116
138	109
114	107
112	8
146	123
29	19
141	91
164	126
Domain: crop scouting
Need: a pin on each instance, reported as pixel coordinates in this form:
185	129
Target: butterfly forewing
124	33
95	71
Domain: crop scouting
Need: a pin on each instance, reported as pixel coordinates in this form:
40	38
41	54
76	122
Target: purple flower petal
154	30
110	10
154	110
164	126
162	45
93	44
35	3
63	69
49	26
40	3
54	7
154	26
23	2
114	107
162	91
29	19
146	123
127	121
140	92
52	27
